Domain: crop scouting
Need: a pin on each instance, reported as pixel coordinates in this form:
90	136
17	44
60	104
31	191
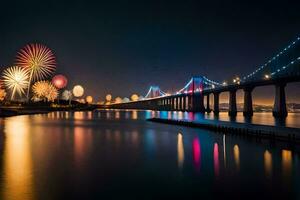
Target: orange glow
118	100
134	114
82	143
89	99
134	97
108	97
180	150
236	155
286	164
17	180
268	164
78	91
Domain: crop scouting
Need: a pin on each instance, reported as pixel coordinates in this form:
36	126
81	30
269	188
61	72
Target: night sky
123	47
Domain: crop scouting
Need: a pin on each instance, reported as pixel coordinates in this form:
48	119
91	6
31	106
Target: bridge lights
267	76
236	80
213	86
224	83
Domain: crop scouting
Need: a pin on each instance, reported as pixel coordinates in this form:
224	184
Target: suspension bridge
281	69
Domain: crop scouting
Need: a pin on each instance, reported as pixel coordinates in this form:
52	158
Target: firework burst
67	95
15	79
38	60
59	81
44	90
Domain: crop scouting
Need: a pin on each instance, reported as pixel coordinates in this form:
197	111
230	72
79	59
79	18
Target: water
263	118
119	155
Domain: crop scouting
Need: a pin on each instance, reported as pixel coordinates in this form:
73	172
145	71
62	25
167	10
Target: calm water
293	119
119	155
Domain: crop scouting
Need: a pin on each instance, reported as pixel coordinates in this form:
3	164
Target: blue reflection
150	142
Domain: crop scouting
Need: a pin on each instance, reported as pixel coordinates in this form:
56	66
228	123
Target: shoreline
252	130
11	112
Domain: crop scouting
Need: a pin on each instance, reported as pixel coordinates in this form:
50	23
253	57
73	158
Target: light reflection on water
87	155
264	118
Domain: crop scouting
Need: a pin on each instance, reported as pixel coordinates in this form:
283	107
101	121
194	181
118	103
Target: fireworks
89	99
67	95
15	79
108	97
134	97
44	90
125	100
2	94
78	91
59	81
118	100
38	60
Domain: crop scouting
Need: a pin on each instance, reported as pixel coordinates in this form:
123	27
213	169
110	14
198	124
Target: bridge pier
190	103
279	109
216	102
248	107
232	103
172	103
184	103
180	103
169	104
198	103
207	104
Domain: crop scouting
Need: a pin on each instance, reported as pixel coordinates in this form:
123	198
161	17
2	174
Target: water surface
119	155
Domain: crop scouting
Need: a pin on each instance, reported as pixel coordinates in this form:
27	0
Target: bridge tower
195	89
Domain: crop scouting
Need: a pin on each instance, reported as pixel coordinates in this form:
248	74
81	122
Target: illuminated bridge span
281	69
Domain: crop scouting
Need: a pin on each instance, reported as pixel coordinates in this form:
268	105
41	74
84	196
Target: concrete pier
232	103
279	109
198	103
248	107
207	104
184	103
216	102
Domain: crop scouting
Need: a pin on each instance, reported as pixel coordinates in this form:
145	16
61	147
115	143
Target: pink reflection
191	116
197	154
216	160
82	143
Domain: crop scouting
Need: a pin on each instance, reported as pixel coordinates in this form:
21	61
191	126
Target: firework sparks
2	94
59	81
134	97
67	95
118	100
89	99
44	90
38	60
78	91
16	80
108	97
